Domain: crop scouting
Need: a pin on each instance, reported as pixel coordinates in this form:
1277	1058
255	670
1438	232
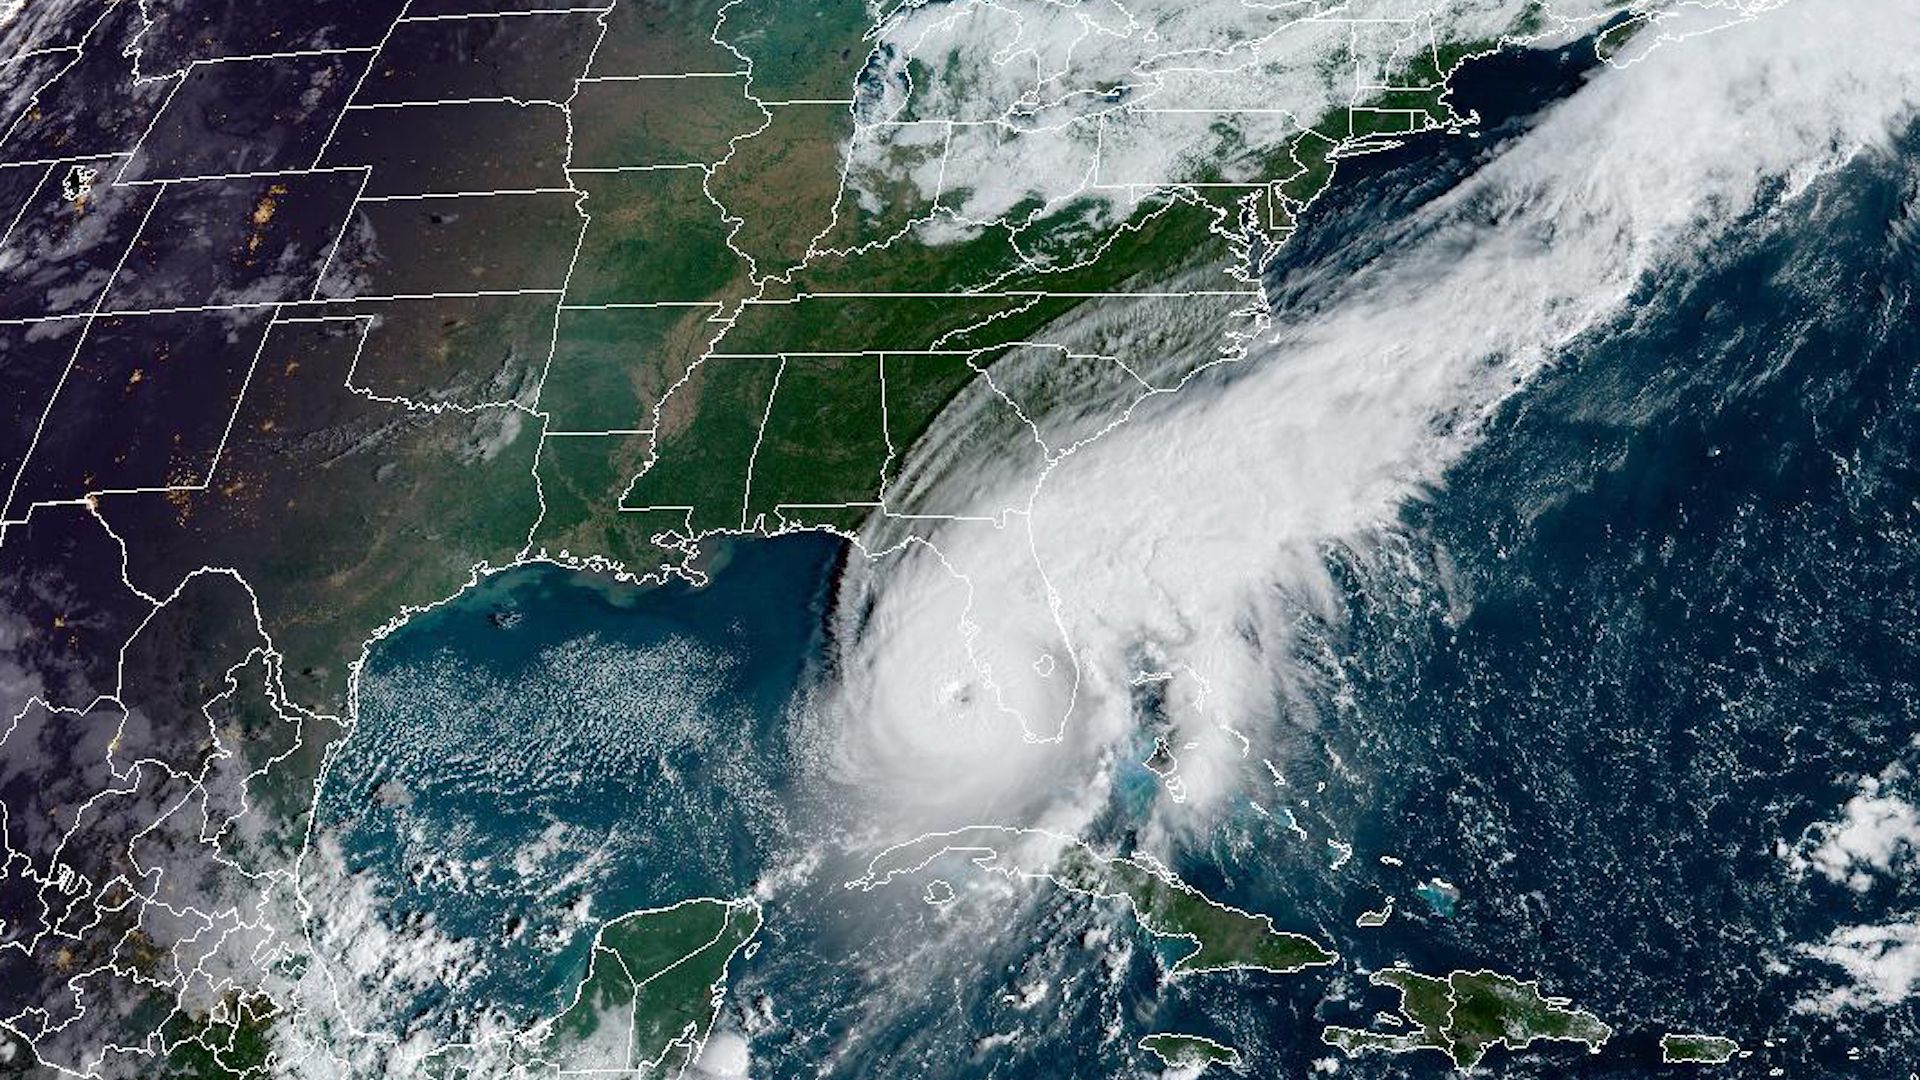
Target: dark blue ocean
1659	624
1662	621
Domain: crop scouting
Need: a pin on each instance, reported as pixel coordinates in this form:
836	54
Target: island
1222	937
1195	1052
1677	1048
1371	919
1466	1013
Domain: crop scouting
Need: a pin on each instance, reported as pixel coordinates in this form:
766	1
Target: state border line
320	154
995	294
611	170
79	50
29	54
474	294
133	155
291	54
507	99
625	305
322	170
206	479
648	76
184	73
585	214
340	236
239	402
26	458
385	298
68	160
463	16
26	205
425	195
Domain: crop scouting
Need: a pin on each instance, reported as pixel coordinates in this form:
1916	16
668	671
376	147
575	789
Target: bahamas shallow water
1659	623
1655	627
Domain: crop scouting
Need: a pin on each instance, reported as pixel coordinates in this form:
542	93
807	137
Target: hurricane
991	657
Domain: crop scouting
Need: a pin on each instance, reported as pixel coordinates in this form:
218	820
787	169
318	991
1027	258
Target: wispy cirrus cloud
992	666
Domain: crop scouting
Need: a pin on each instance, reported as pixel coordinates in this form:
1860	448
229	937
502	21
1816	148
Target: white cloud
1185	540
725	1056
1883	962
1052	101
1877	830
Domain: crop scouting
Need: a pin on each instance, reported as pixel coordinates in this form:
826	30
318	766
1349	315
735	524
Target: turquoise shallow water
550	749
1656	627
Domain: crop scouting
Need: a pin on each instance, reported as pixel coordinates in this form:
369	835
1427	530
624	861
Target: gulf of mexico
550	749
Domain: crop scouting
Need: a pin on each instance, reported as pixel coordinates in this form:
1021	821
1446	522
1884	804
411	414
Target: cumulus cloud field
991	661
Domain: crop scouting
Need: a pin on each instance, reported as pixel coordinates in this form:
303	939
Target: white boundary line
26	458
518	13
320	154
27	205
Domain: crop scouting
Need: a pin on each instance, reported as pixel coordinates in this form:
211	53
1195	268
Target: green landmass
653	237
800	49
232	1042
783	181
1492	1010
1677	1048
656	122
708	380
1190	1051
650	242
362	482
652	987
1223	937
1468	1013
824	437
1612	40
662	37
339	510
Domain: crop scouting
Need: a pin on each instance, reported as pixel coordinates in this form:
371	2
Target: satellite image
959	539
